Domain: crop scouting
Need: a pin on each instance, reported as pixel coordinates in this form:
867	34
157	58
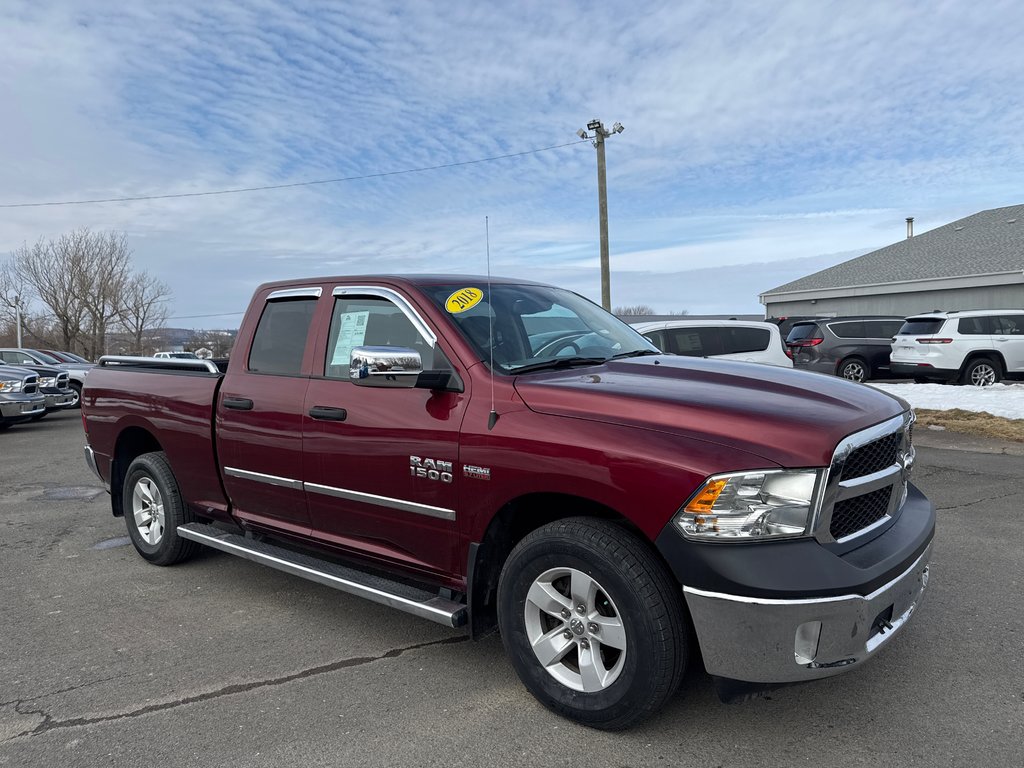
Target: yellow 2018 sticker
463	299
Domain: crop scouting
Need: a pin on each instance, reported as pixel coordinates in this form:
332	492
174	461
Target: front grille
873	457
851	515
31	386
62	381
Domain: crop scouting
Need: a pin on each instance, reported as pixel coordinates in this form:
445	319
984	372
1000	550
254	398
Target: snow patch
1005	400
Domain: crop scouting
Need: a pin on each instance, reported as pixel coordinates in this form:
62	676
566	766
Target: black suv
856	348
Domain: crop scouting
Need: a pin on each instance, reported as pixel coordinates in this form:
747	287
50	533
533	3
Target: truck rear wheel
592	622
153	510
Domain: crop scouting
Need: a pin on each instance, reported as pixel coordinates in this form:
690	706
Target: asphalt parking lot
106	660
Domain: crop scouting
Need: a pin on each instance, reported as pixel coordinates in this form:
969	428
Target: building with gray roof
974	263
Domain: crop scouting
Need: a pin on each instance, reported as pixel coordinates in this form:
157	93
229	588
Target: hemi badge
477	473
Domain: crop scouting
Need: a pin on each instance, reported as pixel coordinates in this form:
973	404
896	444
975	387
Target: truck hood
791	418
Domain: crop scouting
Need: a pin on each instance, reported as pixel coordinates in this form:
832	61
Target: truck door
260	416
382	464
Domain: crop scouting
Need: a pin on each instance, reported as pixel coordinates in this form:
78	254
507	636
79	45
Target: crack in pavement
91	683
49	724
975	502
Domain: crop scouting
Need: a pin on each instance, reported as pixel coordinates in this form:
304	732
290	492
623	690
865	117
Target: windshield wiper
636	353
558	362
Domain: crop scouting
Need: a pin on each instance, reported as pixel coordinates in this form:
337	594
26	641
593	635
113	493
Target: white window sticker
351	334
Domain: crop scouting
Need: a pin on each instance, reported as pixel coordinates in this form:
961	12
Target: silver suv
977	347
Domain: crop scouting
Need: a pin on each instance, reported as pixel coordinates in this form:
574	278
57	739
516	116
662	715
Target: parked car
53	386
76	371
177	355
66	357
19	396
856	348
977	347
749	341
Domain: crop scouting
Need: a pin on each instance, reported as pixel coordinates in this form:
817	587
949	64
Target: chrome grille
855	514
873	457
31	385
867	480
62	381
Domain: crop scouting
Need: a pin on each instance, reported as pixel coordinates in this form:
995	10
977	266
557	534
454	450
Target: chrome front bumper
762	640
57	401
22	407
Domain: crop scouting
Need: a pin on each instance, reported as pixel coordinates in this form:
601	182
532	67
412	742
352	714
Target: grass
973	423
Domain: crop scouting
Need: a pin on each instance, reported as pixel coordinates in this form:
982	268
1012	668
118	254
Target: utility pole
600	133
17	317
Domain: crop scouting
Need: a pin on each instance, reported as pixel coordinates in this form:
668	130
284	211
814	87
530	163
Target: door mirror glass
385	366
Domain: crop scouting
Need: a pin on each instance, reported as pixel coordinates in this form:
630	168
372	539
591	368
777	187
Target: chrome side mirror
385	366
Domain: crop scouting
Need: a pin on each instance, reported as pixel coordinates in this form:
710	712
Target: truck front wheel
592	622
153	510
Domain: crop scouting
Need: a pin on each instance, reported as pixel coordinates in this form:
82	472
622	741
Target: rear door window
921	326
280	339
975	326
740	340
849	329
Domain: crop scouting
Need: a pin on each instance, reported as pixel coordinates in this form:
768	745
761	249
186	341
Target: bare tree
101	282
49	273
144	306
634	310
85	281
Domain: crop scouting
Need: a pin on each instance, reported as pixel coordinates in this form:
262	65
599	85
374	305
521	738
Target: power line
289	186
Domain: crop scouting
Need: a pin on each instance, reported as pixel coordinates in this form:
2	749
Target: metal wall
904	304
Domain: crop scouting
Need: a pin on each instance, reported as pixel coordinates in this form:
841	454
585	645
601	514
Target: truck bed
174	399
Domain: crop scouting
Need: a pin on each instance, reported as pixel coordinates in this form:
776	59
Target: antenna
492	419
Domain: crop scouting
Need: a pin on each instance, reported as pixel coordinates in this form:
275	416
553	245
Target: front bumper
58	401
21	407
762	640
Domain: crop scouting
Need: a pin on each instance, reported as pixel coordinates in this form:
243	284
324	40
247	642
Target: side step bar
394	594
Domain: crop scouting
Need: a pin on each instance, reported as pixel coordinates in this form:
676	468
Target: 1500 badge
430	469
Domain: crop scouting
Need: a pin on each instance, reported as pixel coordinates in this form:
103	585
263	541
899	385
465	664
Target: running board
394	594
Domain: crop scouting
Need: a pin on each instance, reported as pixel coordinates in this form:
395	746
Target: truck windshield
535	327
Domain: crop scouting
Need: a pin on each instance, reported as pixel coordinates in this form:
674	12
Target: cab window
280	339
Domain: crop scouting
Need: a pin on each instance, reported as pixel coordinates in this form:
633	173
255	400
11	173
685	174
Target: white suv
752	342
977	347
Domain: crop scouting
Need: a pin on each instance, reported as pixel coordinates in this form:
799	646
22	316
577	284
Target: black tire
634	591
77	388
854	369
158	541
982	372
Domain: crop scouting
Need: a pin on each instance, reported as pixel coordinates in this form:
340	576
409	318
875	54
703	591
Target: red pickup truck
500	453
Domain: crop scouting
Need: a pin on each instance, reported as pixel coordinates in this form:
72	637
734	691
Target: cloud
755	133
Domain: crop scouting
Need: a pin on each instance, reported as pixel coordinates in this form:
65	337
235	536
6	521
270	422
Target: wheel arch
508	527
988	354
131	443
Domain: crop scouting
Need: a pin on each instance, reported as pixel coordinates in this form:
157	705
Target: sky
763	140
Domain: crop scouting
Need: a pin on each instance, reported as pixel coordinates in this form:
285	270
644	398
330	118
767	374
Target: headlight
10	386
772	503
48	382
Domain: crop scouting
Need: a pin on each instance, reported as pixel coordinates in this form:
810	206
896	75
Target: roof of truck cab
407	280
